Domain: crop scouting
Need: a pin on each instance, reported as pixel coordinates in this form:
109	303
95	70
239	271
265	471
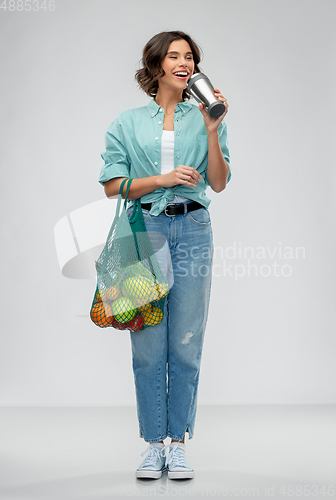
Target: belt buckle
165	210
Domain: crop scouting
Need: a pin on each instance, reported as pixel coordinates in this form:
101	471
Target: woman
173	150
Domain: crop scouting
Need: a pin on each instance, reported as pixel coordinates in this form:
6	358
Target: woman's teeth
181	74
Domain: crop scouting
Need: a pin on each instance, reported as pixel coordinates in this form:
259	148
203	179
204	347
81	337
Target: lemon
162	289
139	289
138	269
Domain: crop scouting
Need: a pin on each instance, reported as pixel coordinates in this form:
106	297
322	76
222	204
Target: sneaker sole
148	474
181	475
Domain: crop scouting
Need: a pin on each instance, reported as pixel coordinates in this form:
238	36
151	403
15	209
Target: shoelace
153	454
176	456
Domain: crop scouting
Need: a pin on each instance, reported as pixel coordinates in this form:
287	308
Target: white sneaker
153	464
178	466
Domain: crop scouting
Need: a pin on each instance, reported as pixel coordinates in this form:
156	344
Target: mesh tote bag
131	287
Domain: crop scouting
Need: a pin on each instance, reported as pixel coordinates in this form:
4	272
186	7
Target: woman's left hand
212	124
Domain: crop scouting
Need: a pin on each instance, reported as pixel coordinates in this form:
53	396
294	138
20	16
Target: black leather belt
176	209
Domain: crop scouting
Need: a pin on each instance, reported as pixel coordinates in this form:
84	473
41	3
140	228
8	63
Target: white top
167	158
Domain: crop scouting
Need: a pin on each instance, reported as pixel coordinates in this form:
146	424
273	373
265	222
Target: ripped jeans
167	356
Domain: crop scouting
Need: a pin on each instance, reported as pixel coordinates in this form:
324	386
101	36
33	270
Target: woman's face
178	65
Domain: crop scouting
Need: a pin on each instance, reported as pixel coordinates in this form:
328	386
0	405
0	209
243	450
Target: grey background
66	75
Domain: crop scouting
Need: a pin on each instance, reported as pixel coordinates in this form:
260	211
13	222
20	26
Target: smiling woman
173	150
178	65
155	51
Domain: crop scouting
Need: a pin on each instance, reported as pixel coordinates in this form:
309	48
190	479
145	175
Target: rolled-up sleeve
223	142
117	163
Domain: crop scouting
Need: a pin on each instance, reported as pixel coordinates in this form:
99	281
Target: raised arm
218	171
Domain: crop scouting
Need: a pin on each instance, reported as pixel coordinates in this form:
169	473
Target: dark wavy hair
154	52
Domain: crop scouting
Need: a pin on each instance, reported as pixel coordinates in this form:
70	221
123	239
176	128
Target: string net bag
131	287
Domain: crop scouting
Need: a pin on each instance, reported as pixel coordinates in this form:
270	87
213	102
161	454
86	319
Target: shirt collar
154	108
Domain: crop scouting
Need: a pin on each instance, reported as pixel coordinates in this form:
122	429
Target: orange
145	307
101	314
152	316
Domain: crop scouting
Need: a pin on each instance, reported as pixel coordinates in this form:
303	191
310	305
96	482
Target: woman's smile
182	75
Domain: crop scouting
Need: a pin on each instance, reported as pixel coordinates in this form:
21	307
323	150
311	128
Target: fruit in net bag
162	289
108	294
136	324
152	316
101	314
139	289
123	309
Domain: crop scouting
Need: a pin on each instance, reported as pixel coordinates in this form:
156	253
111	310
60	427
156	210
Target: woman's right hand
144	185
181	175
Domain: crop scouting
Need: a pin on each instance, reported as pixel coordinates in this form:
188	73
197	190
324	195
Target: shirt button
159	123
153	114
178	135
160	109
178	157
156	163
156	138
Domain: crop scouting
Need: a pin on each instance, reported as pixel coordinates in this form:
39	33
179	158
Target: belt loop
185	208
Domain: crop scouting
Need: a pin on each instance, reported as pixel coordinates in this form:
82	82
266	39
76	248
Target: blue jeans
167	356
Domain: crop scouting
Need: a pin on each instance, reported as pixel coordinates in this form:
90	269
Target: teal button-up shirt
133	149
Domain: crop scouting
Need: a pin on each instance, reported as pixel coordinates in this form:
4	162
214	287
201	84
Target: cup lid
194	78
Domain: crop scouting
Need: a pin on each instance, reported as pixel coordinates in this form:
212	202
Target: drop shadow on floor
206	484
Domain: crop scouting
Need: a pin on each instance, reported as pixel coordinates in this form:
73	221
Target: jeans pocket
200	217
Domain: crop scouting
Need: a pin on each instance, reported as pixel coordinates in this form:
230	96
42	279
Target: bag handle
127	190
122	186
120	194
129	182
136	203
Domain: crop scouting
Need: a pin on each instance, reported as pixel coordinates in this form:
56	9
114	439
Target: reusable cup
202	90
